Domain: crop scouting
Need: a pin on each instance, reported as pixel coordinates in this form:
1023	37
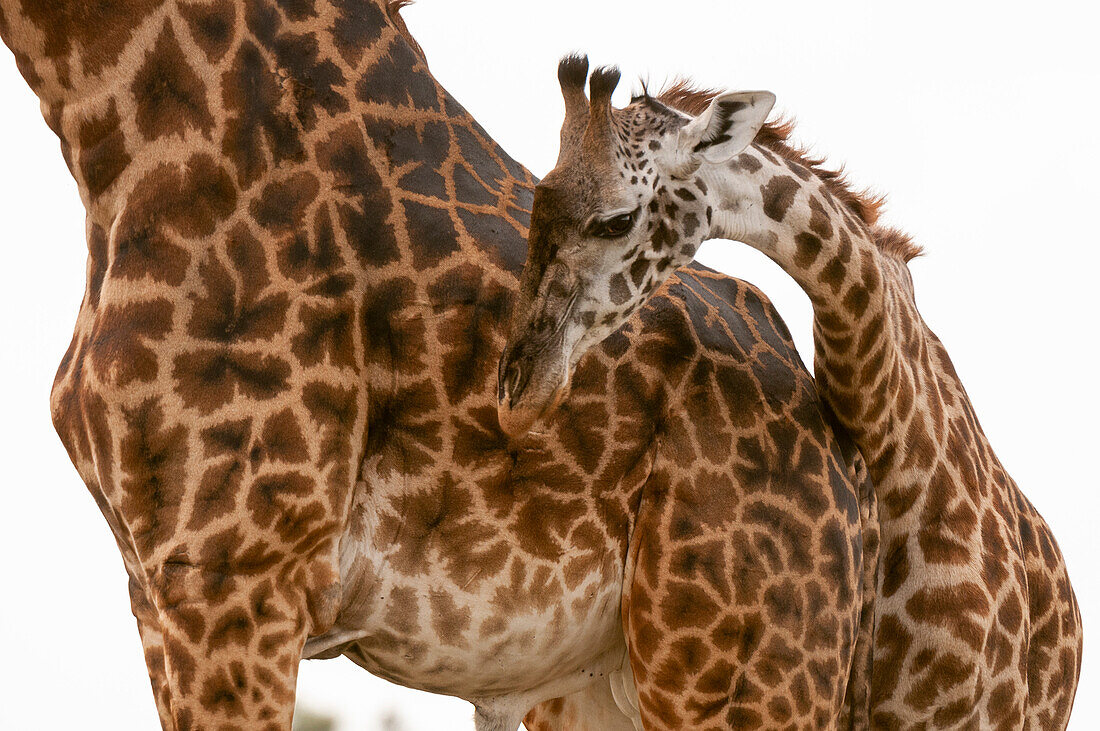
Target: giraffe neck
876	361
69	51
142	87
787	212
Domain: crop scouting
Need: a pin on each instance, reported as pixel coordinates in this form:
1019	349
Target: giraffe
303	255
976	624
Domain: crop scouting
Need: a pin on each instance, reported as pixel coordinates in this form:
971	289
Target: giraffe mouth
533	373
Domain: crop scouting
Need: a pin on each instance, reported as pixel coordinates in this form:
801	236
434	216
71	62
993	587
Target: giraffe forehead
637	130
645	119
579	188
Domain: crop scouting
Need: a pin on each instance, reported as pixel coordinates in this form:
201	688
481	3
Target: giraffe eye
614	227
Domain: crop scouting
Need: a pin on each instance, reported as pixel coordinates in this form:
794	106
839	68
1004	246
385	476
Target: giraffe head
625	205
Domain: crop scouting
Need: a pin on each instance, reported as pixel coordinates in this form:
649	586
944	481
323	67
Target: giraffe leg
739	612
856	714
152	643
492	720
236	576
144	610
592	708
232	643
1054	648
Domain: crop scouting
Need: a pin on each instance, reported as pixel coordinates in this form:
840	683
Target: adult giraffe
976	623
280	392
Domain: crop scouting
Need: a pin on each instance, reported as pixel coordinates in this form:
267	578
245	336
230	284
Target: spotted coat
303	256
975	621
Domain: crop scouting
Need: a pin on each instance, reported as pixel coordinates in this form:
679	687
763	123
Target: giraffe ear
726	128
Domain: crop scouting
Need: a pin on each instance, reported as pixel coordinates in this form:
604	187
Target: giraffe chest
449	591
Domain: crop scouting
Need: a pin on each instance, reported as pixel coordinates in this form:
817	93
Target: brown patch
403	610
211	27
283	440
961	609
431	231
945	671
401	429
221	694
807	247
471	309
103	154
543	524
449	621
121	344
892	643
228	313
327	334
217	493
283	204
191	202
153	456
856	301
97	263
819	219
365	213
256	129
170	96
208	378
833	274
946	523
687	605
778	195
895	565
99	28
233	628
436	528
276	499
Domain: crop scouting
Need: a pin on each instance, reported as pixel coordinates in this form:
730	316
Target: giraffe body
302	258
975	622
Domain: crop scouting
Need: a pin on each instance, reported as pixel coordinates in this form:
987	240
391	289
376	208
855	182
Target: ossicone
602	84
573	71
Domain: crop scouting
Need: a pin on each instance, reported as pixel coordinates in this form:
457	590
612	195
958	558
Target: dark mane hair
775	136
393	9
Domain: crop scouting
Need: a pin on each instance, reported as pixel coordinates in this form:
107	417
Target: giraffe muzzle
533	373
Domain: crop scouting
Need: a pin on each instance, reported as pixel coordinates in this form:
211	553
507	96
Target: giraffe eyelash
613	227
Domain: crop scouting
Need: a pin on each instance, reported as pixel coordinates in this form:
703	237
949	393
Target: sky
976	119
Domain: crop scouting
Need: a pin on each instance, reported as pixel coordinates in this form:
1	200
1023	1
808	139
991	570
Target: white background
979	119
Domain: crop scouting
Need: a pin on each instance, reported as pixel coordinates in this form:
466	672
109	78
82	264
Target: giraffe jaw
531	387
516	420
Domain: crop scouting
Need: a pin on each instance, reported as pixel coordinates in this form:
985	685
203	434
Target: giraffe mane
683	95
393	9
896	242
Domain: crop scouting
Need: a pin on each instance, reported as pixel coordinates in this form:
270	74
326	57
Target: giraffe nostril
508	378
512	383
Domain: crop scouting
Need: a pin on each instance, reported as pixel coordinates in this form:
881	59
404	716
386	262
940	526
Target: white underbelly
451	606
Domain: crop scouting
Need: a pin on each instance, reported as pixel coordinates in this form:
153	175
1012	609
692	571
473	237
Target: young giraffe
280	392
976	622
